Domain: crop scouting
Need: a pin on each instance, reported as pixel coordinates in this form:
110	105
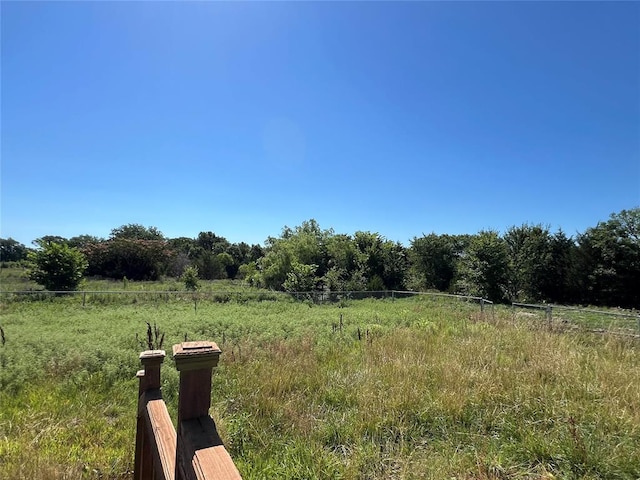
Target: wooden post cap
152	357
196	355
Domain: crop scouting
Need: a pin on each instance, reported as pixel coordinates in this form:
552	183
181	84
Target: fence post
149	380
482	305
194	361
549	316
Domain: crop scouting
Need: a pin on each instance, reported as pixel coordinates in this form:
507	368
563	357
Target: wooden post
194	361
149	380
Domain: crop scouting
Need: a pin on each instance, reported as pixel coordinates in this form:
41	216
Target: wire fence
566	317
101	297
553	316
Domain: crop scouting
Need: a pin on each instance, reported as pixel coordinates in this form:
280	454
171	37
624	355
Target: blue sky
401	118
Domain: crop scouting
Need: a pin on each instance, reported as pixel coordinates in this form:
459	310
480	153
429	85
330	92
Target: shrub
57	266
190	278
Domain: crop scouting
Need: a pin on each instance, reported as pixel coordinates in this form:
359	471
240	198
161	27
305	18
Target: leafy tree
184	245
255	253
484	267
226	261
559	285
342	253
342	262
57	267
530	251
609	261
39	242
210	242
301	278
247	271
381	262
304	245
82	241
213	266
394	265
275	266
370	261
127	257
434	259
240	254
134	231
12	251
183	249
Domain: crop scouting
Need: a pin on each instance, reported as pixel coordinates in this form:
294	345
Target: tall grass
411	388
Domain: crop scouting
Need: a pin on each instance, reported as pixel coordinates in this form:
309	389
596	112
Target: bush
57	267
190	278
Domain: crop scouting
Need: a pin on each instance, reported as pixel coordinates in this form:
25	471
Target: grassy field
15	278
410	388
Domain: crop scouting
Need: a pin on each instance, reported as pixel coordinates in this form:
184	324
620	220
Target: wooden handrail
196	451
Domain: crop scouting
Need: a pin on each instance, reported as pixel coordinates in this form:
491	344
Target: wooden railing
195	451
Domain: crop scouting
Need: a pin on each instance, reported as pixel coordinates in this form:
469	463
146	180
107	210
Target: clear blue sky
240	118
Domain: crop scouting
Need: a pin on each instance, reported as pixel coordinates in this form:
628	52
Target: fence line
318	293
550	308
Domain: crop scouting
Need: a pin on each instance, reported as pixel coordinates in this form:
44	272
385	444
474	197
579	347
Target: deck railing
195	451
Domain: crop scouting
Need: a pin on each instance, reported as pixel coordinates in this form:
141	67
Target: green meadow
422	387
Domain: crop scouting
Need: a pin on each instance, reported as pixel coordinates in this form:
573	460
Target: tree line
529	263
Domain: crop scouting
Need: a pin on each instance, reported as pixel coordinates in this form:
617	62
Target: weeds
154	340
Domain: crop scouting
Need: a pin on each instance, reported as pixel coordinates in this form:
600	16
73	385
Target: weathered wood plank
203	451
163	438
215	463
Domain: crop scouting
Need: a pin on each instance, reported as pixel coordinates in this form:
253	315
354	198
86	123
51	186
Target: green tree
184	245
57	266
275	265
183	249
382	263
226	262
608	261
240	254
342	262
247	271
559	285
49	239
134	231
530	249
133	258
301	278
12	251
82	241
484	267
303	245
370	260
210	242
394	265
255	253
434	258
